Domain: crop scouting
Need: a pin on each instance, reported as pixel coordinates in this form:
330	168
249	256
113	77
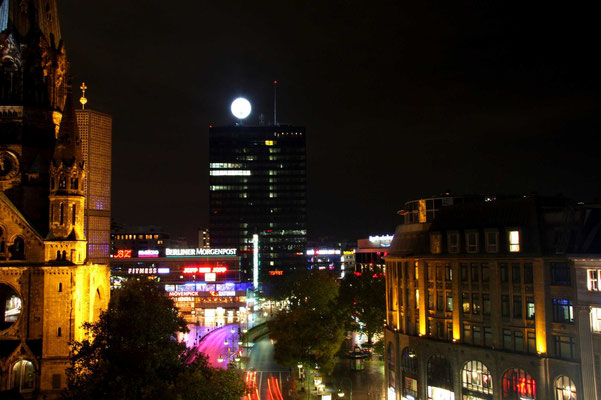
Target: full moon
240	108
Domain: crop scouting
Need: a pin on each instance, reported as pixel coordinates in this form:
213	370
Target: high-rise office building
258	186
95	130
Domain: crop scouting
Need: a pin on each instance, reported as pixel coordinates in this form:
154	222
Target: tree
131	353
364	298
312	330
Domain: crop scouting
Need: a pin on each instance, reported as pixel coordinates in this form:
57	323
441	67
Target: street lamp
341	392
220	359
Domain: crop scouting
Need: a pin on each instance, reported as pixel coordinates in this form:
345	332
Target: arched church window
10	306
22	376
64	254
17	250
58	255
62	183
74	183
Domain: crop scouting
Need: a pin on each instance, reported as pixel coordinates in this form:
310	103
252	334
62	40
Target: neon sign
123	254
199	252
204	270
276	273
322	252
180	294
148	253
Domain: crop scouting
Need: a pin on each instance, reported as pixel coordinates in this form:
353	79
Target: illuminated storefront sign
222	293
145	270
199	252
180	294
163	270
123	254
148	253
203	270
382	241
276	273
210	277
322	252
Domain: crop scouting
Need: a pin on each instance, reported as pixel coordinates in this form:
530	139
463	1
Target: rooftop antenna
275	103
83	99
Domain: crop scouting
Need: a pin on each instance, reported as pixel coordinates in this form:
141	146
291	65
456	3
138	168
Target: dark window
440	329
56	381
464	272
505	306
530	308
528	275
59	332
504	272
485	304
439	272
475	272
439	373
515	273
487	336
517	306
564	346
507	339
518	340
563	311
449	330
560	274
439	301
467	333
531	341
60	287
430	300
485	274
477	335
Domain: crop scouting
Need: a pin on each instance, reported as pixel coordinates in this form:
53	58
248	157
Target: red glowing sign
123	254
204	270
276	273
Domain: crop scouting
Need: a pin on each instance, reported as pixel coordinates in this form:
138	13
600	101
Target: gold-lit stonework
48	286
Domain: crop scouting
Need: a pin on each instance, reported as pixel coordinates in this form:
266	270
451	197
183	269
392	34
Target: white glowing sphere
240	108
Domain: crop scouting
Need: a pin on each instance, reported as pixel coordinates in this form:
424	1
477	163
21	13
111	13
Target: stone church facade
48	289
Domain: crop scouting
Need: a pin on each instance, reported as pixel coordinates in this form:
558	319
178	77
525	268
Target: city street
266	379
215	346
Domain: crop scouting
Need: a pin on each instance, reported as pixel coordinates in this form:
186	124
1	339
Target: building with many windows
496	300
258	186
95	131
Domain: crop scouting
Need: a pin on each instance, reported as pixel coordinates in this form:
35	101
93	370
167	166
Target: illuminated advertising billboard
199	252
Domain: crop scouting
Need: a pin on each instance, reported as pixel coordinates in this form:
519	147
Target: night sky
400	100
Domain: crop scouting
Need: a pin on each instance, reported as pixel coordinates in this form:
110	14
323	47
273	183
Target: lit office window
593	280
514	241
596	319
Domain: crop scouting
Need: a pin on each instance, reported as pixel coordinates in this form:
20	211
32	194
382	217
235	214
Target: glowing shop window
565	389
596	319
269	143
514	241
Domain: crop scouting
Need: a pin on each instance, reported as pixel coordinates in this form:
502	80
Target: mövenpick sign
199	252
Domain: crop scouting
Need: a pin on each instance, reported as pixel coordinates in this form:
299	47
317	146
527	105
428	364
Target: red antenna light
275	82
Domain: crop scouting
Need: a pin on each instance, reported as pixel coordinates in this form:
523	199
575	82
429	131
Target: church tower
67	196
48	288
